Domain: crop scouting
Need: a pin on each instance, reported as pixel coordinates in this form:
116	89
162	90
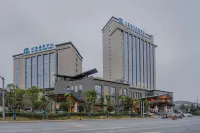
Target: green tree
91	97
52	96
32	94
68	99
81	107
64	106
128	104
123	102
9	100
193	109
182	108
43	101
146	105
110	107
135	104
19	99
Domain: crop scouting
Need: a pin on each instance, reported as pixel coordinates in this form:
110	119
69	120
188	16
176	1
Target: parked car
187	115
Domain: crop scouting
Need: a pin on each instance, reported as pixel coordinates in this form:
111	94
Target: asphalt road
186	125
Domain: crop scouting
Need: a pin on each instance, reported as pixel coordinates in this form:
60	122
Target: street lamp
3	99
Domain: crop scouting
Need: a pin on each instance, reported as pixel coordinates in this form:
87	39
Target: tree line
39	99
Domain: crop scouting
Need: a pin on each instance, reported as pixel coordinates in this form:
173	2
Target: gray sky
174	24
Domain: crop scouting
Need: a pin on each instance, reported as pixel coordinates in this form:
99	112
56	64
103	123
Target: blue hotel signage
133	28
38	48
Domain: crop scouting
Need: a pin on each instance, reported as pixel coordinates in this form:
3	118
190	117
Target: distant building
37	65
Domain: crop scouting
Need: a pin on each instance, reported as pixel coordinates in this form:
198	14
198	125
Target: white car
187	115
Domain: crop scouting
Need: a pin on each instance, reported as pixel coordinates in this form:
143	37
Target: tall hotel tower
128	54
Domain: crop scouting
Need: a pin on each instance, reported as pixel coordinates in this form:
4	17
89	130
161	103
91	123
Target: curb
38	121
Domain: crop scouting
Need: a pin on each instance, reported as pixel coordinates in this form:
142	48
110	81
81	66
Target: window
33	72
76	65
51	76
142	63
113	91
152	66
134	61
58	63
125	92
126	56
130	60
140	95
76	70
76	59
39	71
98	89
149	65
72	87
76	89
27	73
45	71
68	88
138	62
145	64
80	87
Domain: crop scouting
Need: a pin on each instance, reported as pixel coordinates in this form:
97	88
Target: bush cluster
63	114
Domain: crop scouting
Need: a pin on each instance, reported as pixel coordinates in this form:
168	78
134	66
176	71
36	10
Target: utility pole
3	99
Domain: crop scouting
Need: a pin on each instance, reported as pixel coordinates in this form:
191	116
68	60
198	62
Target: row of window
33	71
139	62
99	90
136	94
75	88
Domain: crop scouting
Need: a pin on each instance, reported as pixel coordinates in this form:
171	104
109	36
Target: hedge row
56	115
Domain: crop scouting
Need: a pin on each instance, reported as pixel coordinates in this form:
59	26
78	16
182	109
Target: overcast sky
174	24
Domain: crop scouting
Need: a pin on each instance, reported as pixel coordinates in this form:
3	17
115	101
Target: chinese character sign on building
38	48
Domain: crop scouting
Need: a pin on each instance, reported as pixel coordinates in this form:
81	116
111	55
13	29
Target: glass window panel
45	71
130	60
126	56
149	65
138	62
52	65
145	64
142	63
98	89
113	91
152	67
39	71
33	67
27	73
134	61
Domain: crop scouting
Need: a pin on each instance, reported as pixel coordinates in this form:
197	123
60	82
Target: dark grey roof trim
72	46
17	55
108	22
156	96
109	81
78	76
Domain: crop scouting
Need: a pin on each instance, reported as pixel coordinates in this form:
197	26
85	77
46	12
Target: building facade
160	101
37	65
128	54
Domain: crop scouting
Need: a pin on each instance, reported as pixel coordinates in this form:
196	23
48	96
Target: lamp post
3	95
